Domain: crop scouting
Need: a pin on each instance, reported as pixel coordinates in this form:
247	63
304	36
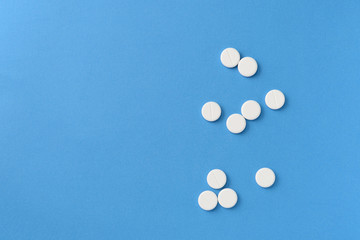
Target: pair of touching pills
208	200
250	110
227	197
230	58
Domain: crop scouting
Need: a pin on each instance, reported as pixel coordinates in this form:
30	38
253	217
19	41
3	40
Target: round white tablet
230	57
265	177
251	110
216	179
211	111
227	198
275	99
247	66
236	123
207	200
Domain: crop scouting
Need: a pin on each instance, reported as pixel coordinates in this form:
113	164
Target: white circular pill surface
251	110
227	198
247	66
207	200
275	99
211	111
265	177
216	179
230	57
236	123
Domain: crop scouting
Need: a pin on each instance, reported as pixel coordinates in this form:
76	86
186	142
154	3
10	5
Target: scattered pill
230	57
211	111
251	110
236	123
227	198
207	200
216	179
247	66
265	177
275	99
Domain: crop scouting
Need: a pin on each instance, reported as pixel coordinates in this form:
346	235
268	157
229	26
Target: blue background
101	129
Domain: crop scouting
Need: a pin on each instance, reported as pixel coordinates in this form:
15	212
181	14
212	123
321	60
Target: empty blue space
101	129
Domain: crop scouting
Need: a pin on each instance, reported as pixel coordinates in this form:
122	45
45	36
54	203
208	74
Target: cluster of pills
236	123
227	197
250	110
230	58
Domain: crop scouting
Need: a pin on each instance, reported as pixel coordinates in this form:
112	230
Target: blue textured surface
102	135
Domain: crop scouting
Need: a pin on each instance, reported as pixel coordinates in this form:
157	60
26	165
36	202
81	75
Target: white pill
275	99
216	179
265	177
247	66
227	198
251	110
211	111
236	123
207	200
230	57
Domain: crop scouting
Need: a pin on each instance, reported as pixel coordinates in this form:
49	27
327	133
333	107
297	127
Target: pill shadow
285	104
216	209
276	183
261	117
235	69
259	71
274	186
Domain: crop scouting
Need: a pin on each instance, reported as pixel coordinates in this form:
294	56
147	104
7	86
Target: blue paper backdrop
102	135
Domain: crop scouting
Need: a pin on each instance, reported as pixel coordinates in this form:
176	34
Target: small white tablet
227	198
207	200
216	178
236	123
275	99
211	111
265	177
230	57
247	67
251	110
